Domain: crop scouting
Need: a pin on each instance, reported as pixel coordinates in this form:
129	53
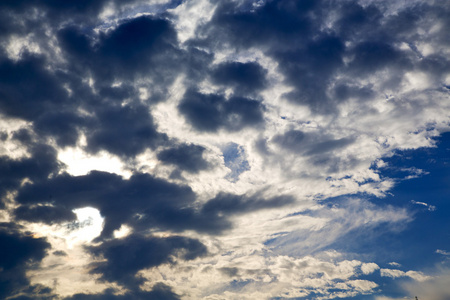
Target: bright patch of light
143	93
79	162
17	45
122	232
88	226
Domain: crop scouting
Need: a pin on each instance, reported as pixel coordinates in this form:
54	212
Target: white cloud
79	162
429	206
393	273
369	268
443	252
337	222
190	15
17	45
257	275
395	264
437	288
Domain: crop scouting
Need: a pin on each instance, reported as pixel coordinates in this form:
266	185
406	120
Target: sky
239	149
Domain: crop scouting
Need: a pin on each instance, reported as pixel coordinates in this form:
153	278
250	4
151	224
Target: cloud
125	257
19	252
125	131
45	214
369	268
430	207
257	275
434	289
40	165
187	157
159	291
211	112
251	147
443	252
28	90
234	204
340	229
398	273
309	143
136	45
141	201
244	77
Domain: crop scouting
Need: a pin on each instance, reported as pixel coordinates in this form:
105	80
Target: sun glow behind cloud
79	162
88	226
83	230
64	269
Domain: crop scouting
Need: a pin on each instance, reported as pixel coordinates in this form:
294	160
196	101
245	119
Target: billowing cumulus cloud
211	112
244	77
224	149
186	157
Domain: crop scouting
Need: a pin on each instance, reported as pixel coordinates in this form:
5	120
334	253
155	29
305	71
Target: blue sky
210	149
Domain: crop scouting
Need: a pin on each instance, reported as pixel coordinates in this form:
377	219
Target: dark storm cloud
273	23
357	22
37	167
310	143
343	91
244	77
72	5
144	47
197	64
229	204
159	291
27	90
44	214
284	30
63	126
17	16
17	253
371	56
54	99
56	12
124	130
186	156
311	55
140	47
125	257
310	70
142	202
211	112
